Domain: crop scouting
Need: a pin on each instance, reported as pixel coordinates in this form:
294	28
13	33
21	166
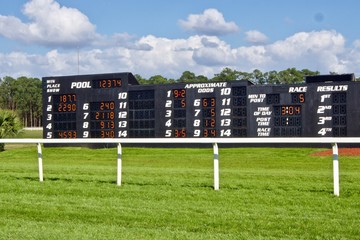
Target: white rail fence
214	141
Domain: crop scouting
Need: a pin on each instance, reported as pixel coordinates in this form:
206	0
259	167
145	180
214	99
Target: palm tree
10	125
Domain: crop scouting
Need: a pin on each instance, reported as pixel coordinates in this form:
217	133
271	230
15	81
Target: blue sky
44	37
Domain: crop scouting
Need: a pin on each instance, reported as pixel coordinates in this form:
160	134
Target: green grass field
265	193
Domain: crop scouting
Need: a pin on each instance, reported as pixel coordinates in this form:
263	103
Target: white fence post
41	176
119	164
216	166
336	169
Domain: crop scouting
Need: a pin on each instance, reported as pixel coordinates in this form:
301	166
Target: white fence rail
213	141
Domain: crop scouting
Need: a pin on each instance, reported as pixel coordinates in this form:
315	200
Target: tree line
288	76
23	95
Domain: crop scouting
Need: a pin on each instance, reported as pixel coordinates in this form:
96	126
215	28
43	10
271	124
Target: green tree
258	77
291	75
307	72
10	125
187	77
157	79
140	79
171	81
24	96
244	76
271	77
28	100
7	93
201	78
227	74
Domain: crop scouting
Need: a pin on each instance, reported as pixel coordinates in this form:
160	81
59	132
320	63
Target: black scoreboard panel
115	106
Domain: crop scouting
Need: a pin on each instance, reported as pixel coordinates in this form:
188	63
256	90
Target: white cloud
213	52
253	57
210	22
209	43
58	62
305	43
204	54
318	50
168	57
256	37
356	44
18	64
50	24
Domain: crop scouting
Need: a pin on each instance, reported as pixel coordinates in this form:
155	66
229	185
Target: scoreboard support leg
336	169
119	164
41	176
216	166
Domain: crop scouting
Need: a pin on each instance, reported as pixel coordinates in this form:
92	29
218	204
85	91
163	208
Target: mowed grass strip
265	193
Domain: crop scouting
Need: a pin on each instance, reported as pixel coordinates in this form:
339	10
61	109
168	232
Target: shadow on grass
354	192
169	184
114	182
58	179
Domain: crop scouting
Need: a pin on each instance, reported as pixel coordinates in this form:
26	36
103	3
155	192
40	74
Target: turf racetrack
265	193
